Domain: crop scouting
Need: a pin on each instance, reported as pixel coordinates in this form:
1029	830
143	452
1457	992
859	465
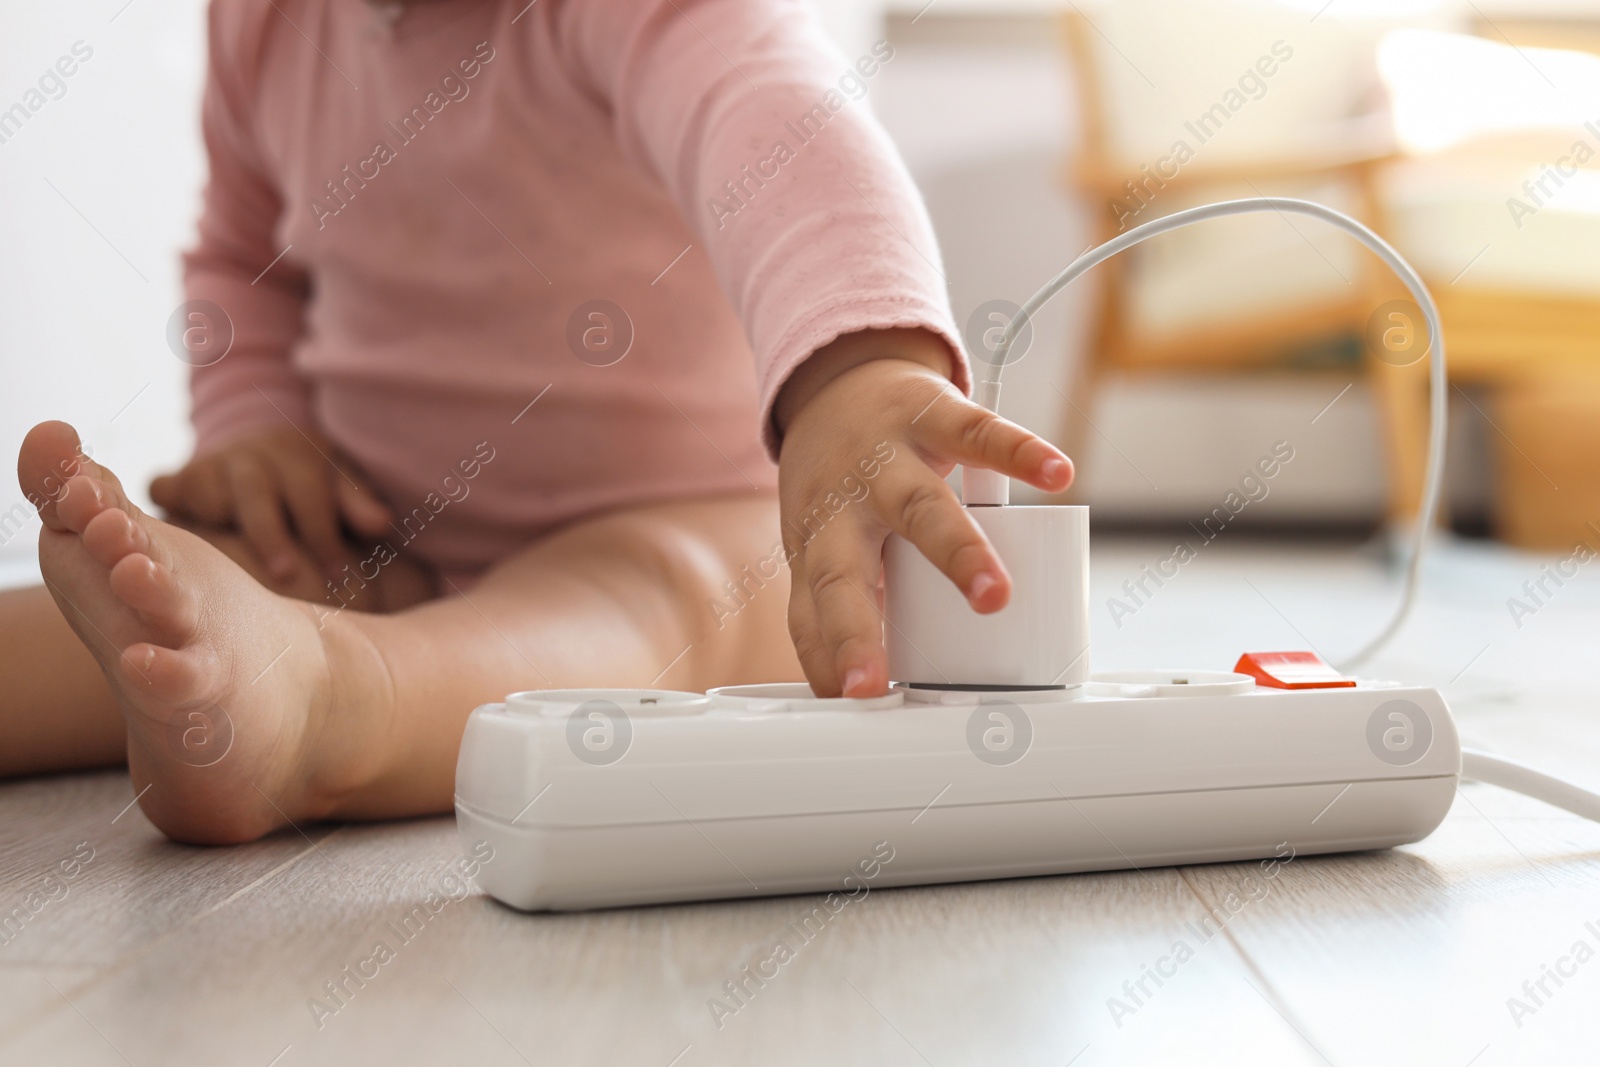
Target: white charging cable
980	487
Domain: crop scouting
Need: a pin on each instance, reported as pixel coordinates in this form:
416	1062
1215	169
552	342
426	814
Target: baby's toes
81	499
155	592
111	536
166	678
50	455
93	490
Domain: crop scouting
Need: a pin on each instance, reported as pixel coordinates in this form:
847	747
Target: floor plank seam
1266	990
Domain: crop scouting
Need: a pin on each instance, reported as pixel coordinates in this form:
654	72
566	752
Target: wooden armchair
1335	155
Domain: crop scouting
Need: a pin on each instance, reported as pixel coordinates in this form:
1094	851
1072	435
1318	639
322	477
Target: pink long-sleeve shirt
588	239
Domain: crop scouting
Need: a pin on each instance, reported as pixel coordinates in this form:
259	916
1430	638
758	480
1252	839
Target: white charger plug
1039	640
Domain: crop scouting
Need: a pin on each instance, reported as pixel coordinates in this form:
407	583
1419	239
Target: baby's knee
723	571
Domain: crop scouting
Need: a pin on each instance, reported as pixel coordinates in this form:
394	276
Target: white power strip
599	798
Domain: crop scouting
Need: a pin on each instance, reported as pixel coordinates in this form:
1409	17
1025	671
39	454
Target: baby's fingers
816	660
310	498
361	507
838	570
923	509
260	514
964	432
199	491
165	494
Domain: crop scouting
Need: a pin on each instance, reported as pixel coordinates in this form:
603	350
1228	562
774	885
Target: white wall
98	190
853	24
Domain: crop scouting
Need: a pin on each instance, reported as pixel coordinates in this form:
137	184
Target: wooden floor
158	954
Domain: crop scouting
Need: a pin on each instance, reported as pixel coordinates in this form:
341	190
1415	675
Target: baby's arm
820	240
259	464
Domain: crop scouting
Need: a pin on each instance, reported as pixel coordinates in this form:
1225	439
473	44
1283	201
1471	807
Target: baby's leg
353	715
639	597
57	713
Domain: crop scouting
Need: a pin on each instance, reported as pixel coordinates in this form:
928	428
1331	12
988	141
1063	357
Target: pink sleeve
253	386
757	127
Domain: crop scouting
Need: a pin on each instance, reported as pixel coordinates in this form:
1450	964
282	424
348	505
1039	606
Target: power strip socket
602	798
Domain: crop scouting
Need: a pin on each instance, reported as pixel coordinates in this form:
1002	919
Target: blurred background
1468	134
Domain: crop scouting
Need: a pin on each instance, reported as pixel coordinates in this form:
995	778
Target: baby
477	293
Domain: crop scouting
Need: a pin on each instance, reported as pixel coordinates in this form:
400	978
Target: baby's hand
877	409
261	484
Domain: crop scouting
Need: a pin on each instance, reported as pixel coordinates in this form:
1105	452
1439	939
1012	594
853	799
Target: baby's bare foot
225	686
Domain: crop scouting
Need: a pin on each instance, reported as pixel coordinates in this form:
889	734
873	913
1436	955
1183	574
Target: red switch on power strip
1291	670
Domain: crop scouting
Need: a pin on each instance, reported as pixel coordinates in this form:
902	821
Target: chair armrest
1326	150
